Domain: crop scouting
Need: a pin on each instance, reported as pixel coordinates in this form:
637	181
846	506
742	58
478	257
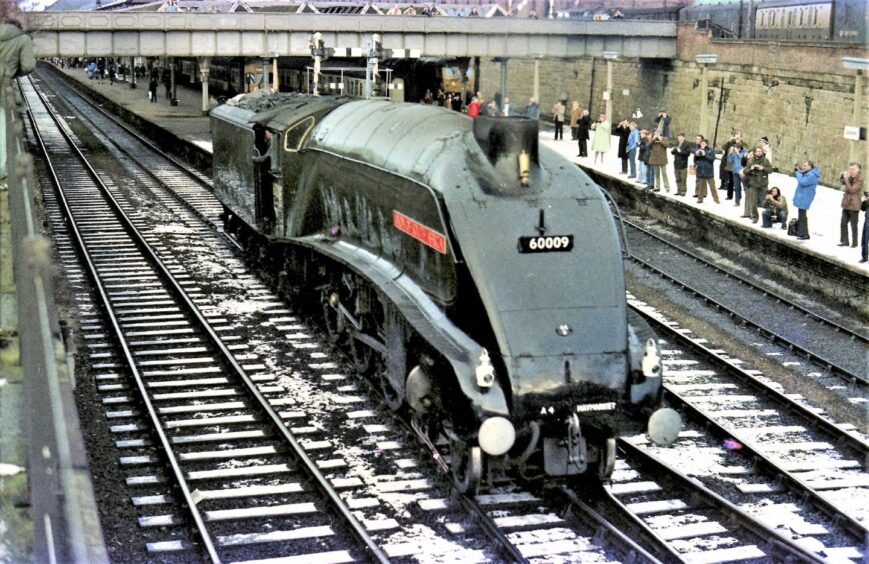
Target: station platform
823	215
818	261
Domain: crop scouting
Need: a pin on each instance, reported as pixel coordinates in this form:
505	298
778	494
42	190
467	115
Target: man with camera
623	130
704	163
756	176
658	161
775	208
852	185
808	176
734	158
633	143
681	151
725	169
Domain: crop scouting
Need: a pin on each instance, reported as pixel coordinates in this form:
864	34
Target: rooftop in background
520	8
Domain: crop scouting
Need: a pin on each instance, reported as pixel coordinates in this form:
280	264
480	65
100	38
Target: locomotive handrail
617	212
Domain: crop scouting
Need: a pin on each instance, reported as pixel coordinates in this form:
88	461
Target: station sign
852	133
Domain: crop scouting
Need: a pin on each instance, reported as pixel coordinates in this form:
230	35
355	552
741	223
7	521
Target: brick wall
799	96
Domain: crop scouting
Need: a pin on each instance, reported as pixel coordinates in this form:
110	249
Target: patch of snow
10	469
173	228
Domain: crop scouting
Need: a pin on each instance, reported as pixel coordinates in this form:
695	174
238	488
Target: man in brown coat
658	161
16	59
852	185
756	176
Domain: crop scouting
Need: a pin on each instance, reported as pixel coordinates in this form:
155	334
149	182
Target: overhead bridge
183	34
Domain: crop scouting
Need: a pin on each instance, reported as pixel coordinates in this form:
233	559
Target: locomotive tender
476	277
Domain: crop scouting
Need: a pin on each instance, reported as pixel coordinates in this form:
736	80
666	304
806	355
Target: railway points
781	492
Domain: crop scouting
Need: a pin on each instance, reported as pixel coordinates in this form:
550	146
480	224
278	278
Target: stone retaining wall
799	96
771	258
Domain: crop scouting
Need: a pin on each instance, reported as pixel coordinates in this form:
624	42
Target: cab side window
296	135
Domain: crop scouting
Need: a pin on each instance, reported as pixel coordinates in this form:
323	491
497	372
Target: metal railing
65	521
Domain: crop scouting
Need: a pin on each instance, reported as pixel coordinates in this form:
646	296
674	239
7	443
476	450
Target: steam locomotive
476	277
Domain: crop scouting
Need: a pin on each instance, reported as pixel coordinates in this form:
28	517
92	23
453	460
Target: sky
35	5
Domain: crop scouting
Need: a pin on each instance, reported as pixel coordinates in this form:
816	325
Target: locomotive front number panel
546	244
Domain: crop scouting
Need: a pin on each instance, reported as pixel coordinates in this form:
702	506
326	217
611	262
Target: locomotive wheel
364	357
393	399
466	465
332	319
606	460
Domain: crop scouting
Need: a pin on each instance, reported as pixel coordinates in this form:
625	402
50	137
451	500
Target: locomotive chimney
510	144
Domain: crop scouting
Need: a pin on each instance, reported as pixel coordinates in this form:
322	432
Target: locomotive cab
256	178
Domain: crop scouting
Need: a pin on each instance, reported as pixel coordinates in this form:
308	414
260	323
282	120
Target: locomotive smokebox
510	144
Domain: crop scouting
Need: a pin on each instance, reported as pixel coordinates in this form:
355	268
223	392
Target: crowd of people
478	105
102	68
744	171
744	168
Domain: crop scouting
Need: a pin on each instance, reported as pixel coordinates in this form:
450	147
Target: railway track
197	397
652	512
535	527
780	320
180	186
409	492
786	447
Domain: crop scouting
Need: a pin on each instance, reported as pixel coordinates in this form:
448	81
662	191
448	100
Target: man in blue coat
807	180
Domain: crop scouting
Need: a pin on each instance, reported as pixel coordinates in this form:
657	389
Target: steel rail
733	369
141	138
862	447
477	513
805	311
65	523
593	517
854	527
157	150
827	364
768	534
606	502
309	465
116	329
816	358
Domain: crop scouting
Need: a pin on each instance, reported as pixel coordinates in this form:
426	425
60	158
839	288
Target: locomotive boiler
473	275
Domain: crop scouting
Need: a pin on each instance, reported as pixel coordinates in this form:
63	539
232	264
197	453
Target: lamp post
610	56
704	60
536	94
857	121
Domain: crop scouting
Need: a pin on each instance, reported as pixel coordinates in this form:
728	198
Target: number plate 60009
546	244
